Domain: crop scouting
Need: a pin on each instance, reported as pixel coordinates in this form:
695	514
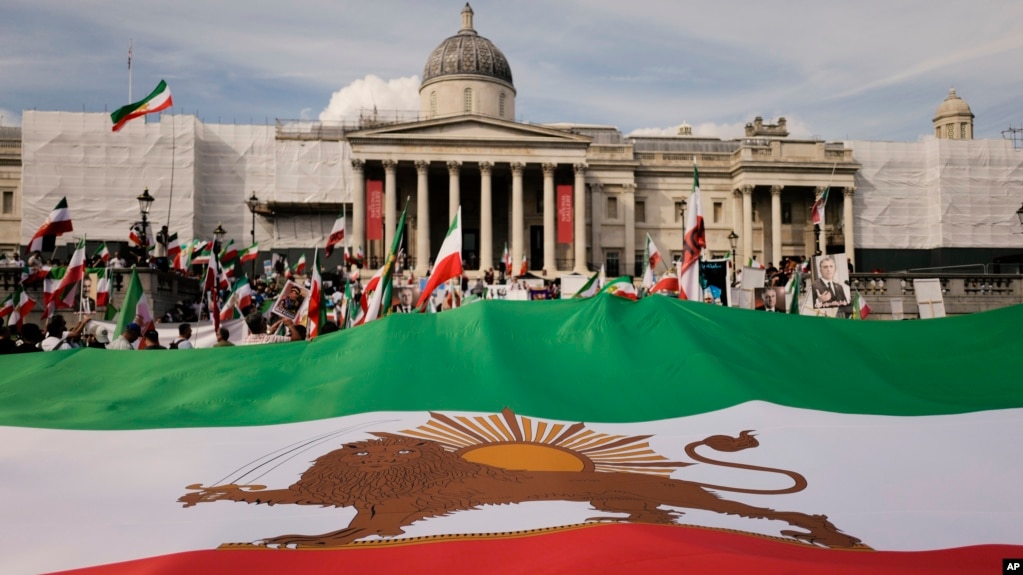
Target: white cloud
370	94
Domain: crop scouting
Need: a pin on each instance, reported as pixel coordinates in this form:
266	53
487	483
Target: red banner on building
374	210
564	214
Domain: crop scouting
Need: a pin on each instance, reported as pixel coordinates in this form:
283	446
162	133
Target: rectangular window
678	212
612	264
8	202
719	212
786	213
640	211
612	208
640	263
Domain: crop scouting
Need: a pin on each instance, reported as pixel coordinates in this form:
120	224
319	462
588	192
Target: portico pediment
466	128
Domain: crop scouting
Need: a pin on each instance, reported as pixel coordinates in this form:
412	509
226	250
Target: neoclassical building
565	197
468	149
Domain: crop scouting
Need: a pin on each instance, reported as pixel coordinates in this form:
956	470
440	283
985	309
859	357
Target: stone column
549	210
822	245
454	190
747	224
359	205
847	225
422	217
486	216
596	219
390	201
776	224
517	216
580	219
629	211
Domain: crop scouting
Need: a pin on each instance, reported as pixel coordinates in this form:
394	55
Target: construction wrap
937	193
200	174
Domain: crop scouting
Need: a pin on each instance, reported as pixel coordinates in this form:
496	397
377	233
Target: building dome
467	53
953	106
954	119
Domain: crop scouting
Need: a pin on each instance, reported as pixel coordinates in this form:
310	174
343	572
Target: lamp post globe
218	237
733	241
253	203
145	204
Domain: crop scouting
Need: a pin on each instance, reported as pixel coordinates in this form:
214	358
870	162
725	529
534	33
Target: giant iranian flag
659	436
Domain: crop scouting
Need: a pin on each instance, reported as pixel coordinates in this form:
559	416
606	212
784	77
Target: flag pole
130	42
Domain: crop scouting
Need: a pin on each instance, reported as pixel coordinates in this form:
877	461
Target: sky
869	70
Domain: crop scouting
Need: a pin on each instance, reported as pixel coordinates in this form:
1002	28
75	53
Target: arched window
500	105
433	103
467	100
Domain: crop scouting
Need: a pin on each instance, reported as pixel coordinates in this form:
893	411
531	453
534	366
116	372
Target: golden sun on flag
516	442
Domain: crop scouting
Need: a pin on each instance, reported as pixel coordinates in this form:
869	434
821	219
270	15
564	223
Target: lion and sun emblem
458	463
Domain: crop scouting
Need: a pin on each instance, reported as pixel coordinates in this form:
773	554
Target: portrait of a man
829	289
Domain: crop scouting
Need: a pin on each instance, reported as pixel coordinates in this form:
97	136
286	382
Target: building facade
566	198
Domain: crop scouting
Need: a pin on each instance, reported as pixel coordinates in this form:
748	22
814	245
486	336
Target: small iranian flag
524	268
449	260
58	222
22	306
173	246
299	267
590	288
7	307
818	207
74	274
337	234
653	255
693	243
621	287
229	253
159	99
506	260
250	253
652	258
103	289
317	310
135	308
860	307
667	284
102	252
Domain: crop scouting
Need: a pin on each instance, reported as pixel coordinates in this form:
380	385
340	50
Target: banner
564	214
715	274
374	209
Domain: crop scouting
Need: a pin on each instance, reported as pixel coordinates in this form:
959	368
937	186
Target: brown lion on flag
396	480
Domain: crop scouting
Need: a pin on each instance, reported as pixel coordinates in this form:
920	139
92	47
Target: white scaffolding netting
937	194
200	174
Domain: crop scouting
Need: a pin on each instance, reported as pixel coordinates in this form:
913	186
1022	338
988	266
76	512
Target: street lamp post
252	203
218	235
733	240
1019	214
145	203
682	215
